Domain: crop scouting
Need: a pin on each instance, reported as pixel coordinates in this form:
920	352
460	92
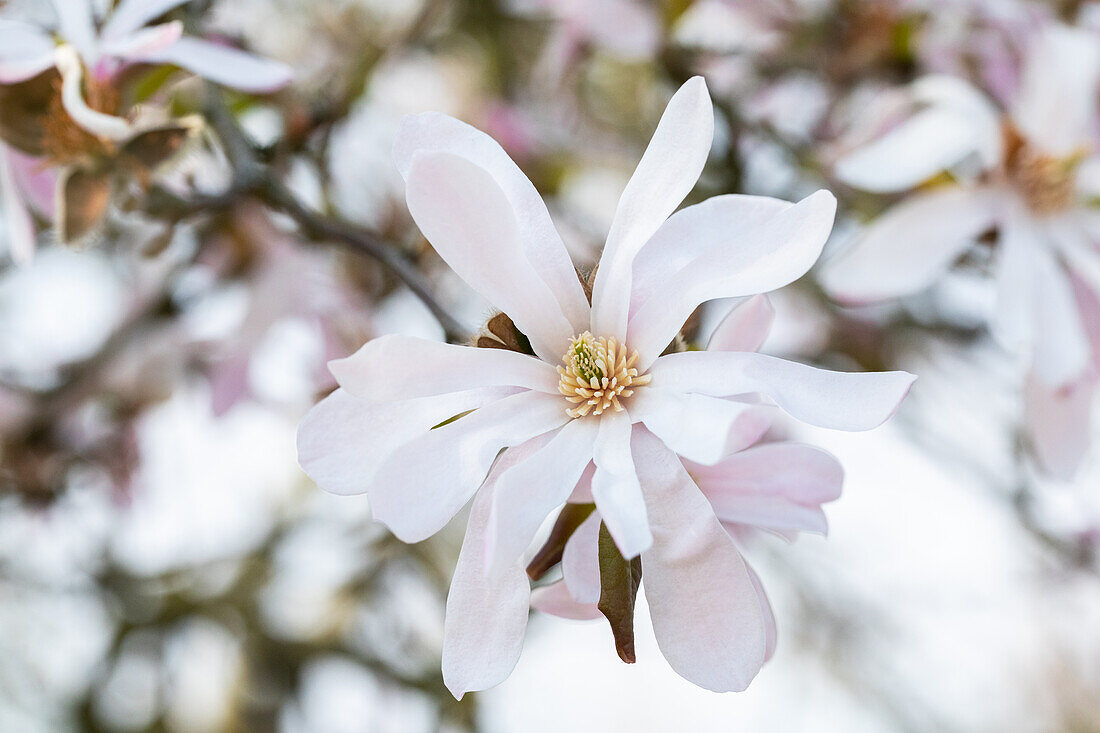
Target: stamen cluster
598	372
1045	182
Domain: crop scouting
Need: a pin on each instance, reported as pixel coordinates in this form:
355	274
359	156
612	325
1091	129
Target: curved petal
72	97
913	243
486	616
398	367
555	600
828	399
147	41
34	180
744	328
700	428
20	224
580	561
706	613
1012	318
582	493
77	26
770	633
471	223
223	65
1056	105
802	474
434	132
665	175
343	440
1061	350
761	259
615	487
527	492
25	51
1058	424
424	483
131	15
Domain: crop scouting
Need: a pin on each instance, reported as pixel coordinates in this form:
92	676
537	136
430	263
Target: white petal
582	494
130	15
615	486
78	26
486	617
25	51
1056	106
756	261
800	473
828	399
144	42
1012	319
1061	349
744	328
771	635
20	225
223	65
706	613
555	600
471	224
1058	424
665	175
343	440
580	561
541	244
398	367
527	493
426	481
913	243
72	97
700	428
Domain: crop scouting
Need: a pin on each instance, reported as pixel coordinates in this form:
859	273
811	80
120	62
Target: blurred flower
563	384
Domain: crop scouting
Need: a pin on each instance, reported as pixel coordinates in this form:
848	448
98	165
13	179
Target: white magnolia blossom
1031	172
596	396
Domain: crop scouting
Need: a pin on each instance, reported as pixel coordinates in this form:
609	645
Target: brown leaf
619	580
85	194
23	110
502	327
549	555
145	152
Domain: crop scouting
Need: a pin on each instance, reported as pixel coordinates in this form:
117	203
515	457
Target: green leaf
619	580
549	555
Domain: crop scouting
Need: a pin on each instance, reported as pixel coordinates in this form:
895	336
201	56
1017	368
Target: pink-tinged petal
582	493
756	261
719	223
770	632
1012	320
471	223
398	367
35	180
539	240
223	65
343	440
555	600
626	28
706	612
1061	349
527	492
700	428
828	399
615	487
486	616
1056	106
580	561
20	224
77	26
72	98
913	243
665	175
768	512
424	483
25	51
1058	424
744	328
955	93
131	15
800	473
147	41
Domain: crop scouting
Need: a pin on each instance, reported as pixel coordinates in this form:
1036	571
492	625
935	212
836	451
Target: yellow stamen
598	372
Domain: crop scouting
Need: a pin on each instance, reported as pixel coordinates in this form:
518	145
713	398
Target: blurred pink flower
25	185
615	408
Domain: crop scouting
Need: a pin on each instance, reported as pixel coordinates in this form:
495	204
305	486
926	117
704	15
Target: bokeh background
165	565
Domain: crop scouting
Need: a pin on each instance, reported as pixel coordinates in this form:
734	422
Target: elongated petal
527	492
343	440
472	225
555	600
698	427
908	247
770	633
800	473
72	97
542	246
1056	105
35	181
1061	348
142	43
223	65
25	51
745	327
131	15
706	612
20	225
828	399
78	26
1058	424
1012	321
431	477
762	259
403	367
615	486
665	175
580	562
486	616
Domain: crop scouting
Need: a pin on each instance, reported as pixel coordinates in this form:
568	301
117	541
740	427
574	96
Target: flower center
598	372
1045	182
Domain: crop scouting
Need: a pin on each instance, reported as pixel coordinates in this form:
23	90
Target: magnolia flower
1032	173
574	386
772	487
24	187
